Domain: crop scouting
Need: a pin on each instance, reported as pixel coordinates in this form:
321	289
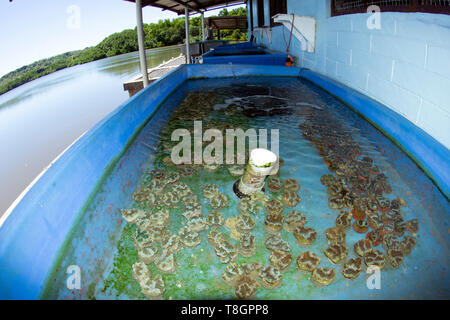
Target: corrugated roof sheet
193	5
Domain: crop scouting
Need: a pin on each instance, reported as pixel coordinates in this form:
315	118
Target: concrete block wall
405	64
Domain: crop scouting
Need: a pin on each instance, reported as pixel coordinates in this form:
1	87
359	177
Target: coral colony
175	212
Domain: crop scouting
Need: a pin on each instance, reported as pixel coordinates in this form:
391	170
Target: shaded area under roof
238	22
178	6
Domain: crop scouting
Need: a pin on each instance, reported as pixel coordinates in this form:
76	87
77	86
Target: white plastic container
262	163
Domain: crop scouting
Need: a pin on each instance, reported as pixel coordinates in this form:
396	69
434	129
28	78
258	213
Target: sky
31	30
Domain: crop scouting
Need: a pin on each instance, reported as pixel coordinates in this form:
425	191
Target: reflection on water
41	118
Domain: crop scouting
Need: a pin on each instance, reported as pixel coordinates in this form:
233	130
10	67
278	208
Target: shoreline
79	64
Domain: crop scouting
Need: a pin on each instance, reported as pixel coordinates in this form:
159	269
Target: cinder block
424	27
330	68
310	56
436	122
350	40
438	60
339	54
352	76
314	62
321	64
399	48
436	89
403	101
339	23
309	63
429	85
376	64
409	76
331	38
406	102
381	90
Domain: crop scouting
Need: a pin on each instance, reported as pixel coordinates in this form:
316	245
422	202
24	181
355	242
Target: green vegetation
164	33
232	34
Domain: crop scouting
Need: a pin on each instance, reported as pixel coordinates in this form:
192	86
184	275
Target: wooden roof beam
198	8
186	4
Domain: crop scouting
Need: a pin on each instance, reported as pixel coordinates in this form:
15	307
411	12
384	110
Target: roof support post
141	42
203	26
188	49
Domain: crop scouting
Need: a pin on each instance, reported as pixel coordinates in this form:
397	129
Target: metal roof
230	22
193	5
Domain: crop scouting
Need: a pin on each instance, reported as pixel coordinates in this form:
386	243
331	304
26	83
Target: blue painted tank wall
404	65
237	55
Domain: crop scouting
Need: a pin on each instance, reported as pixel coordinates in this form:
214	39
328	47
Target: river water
40	119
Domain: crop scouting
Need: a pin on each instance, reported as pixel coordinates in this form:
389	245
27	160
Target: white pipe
186	18
203	26
141	42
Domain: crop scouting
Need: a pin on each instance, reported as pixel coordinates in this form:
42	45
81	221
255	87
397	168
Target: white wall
405	64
